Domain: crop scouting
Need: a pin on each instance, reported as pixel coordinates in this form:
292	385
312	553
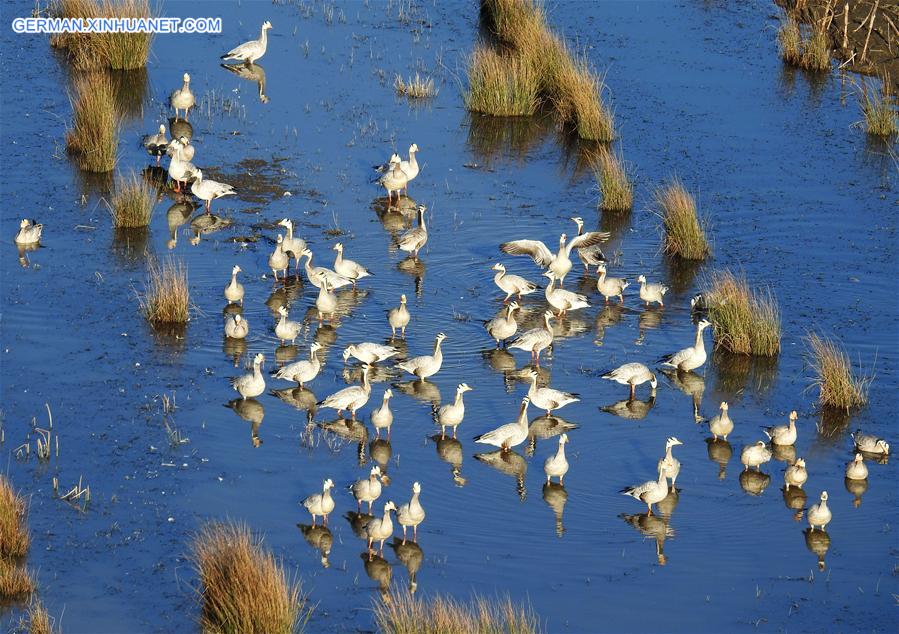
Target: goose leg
404	535
415	533
633	391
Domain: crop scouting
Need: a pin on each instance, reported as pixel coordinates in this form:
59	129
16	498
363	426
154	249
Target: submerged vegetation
879	108
167	296
837	384
244	588
684	232
745	321
613	181
93	138
132	202
15	580
417	87
92	51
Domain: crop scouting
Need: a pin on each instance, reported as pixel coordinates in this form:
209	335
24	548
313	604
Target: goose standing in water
320	503
302	371
511	434
352	398
669	464
353	271
856	470
286	330
610	286
411	514
503	327
157	144
452	414
413	240
326	302
819	515
292	246
29	232
870	444
511	284
560	262
563	300
556	466
252	384
536	340
183	144
279	260
236	327
650	492
183	98
399	317
395	180
692	357
367	489
755	455
632	374
589	256
318	274
410	167
426	365
368	352
234	290
651	293
209	190
547	398
382	417
796	474
721	424
380	529
783	434
180	168
251	51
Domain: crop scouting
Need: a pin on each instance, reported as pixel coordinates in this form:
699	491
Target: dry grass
745	321
245	588
879	109
401	613
167	296
816	50
39	621
576	94
501	84
91	51
16	581
838	386
789	40
811	52
14	537
415	87
684	233
132	202
613	181
94	136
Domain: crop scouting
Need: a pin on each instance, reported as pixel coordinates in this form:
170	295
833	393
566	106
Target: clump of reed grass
501	84
415	87
684	232
613	181
14	537
811	52
816	50
245	589
93	138
745	321
15	581
879	109
789	40
402	613
91	51
167	296
838	386
132	202
39	621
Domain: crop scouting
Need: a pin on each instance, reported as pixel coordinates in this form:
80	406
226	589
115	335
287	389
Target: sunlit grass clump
116	51
576	94
245	589
837	384
93	138
816	50
167	296
132	202
789	39
15	580
684	233
613	181
39	621
811	52
417	87
879	109
501	84
402	613
745	321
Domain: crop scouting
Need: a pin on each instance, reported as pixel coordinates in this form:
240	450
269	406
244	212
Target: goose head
161	129
562	239
282	311
315	347
198	175
388	394
462	388
328	484
496	267
280	239
421	210
338	247
183	140
672	442
760	443
703	324
286	222
258	359
799	462
306	253
403	298
547	316
24	224
266	25
524	404
375	472
823	496
563	439
186	78
237	319
601	267
859	458
550	275
413	148
390	506
235	270
641	279
513	307
579	222
724	406
440	337
416	487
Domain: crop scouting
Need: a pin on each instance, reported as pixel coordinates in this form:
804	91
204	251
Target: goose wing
588	239
534	249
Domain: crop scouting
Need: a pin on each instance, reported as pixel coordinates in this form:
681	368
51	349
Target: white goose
411	514
783	434
755	455
819	515
610	286
187	148
589	256
452	414
563	300
560	262
395	180
209	190
870	444
302	371
317	274
249	52
252	384
632	374
511	434
183	98
426	365
504	326
410	167
856	469
796	474
320	503
180	169
547	398
157	144
399	317
279	260
653	292
351	270
511	284
382	417
380	529
368	352
292	246
692	357
234	290
556	466
236	327
721	424
650	492
286	330
668	463
29	232
352	398
326	302
367	489
413	240
536	340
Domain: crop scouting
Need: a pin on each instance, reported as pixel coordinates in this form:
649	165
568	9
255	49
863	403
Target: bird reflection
691	384
857	488
819	543
155	177
381	451
654	527
325	336
631	409
610	315
508	462
546	426
555	496
180	128
669	503
234	349
523	375
421	389
650	319
284	295
358	522
502	361
207	223
23	250
251	411
395	223
794	498
301	398
320	538
411	556
416	268
376	374
232	309
250	72
783	453
378	570
284	354
754	482
720	451
450	451
348	429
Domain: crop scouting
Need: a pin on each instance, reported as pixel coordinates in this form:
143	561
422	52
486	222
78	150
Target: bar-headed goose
183	98
326	302
668	463
382	417
755	455
399	318
394	180
236	327
511	434
652	292
632	374
252	384
560	262
536	340
819	515
692	357
286	330
348	268
380	529
589	256
367	489
183	144
234	290
209	190
411	514
511	284
249	52
368	352
870	444
563	300
317	274
556	466
320	503
547	398
292	246
279	260
650	492
352	398
452	414
29	232
856	469
413	240
503	327
783	434
426	365
181	170
157	144
302	371
610	286
721	424
796	474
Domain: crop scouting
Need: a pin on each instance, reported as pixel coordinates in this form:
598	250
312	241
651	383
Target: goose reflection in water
555	496
857	488
301	398
347	429
609	316
631	409
411	556
284	354
817	542
545	427
691	384
205	223
320	538
250	72
720	451
378	570
650	319
450	451
251	411
381	451
234	349
416	268
654	527
795	499
508	462
754	482
284	295
420	389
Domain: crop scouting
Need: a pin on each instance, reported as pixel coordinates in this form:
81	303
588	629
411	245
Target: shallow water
795	196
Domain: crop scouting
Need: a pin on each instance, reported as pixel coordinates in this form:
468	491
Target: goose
511	284
547	398
411	514
279	260
755	455
426	365
302	371
286	330
29	232
351	270
352	398
413	240
383	168
511	434
650	492
633	374
536	340
380	529
819	514
326	302
317	274
183	98
783	434
292	246
320	503
236	327
610	286
501	327
721	424
251	384
368	352
382	417
367	489
234	290
560	262
796	474
870	444
563	300
856	469
669	464
653	292
249	52
183	143
180	169
209	190
398	318
692	357
157	144
589	256
410	167
556	466
451	414
394	180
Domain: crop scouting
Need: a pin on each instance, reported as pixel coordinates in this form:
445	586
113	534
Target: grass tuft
879	109
416	87
789	40
16	581
167	296
816	50
93	51
745	321
93	138
838	386
39	621
402	613
245	588
811	52
132	202
14	537
684	233
613	180
501	84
